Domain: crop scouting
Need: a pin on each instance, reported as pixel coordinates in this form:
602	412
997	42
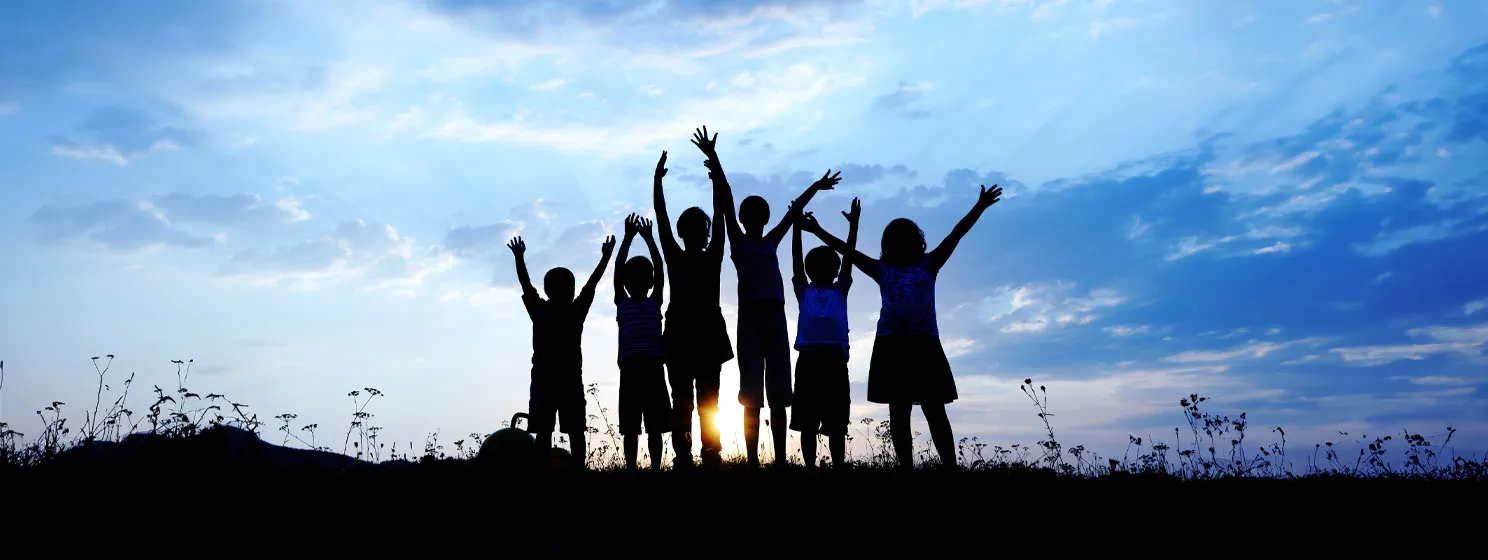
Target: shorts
823	397
764	355
643	395
571	416
696	336
910	369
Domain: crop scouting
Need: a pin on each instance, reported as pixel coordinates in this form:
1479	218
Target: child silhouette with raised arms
821	282
695	337
909	365
764	345
643	390
557	353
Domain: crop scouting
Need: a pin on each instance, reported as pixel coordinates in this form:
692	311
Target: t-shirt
908	296
694	279
758	266
557	340
823	316
640	327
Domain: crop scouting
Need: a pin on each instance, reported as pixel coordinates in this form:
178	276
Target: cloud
1467	341
374	252
899	102
550	85
136	224
1475	306
1127	330
1254	349
119	134
1192	245
1035	308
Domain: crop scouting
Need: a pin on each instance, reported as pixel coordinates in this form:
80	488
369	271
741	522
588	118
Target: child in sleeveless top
643	390
764	344
695	338
823	397
909	365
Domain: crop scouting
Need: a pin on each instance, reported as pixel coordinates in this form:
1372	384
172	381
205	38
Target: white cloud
1192	245
959	346
1278	247
1127	330
1433	380
1474	306
376	253
550	85
106	153
650	90
1038	306
1387	242
1382	277
1466	341
1252	349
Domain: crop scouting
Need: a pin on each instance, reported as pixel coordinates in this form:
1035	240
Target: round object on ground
510	448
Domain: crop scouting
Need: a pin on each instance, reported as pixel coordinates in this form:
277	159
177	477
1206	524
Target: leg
707	390
681	380
543	450
580	451
900	433
838	444
778	431
655	442
751	434
940	433
632	449
808	447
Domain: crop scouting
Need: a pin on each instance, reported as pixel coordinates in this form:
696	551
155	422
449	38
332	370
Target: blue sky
1280	205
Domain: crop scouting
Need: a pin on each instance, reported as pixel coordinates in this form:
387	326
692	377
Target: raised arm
865	263
658	269
942	252
852	216
608	247
668	241
630	231
723	194
826	183
519	250
798	263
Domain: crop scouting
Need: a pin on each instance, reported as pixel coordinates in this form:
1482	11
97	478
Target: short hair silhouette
823	265
692	227
638	276
559	284
754	213
903	243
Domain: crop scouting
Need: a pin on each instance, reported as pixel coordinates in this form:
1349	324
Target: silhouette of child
557	353
643	390
822	393
695	337
764	345
909	365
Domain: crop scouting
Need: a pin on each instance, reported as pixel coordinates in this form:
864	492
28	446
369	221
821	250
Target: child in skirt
909	365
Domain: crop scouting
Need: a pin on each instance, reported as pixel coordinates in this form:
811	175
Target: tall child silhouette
695	338
823	397
557	353
909	365
764	345
643	390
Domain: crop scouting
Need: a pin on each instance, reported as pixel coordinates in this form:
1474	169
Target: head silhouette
692	227
559	284
638	276
903	243
754	213
822	265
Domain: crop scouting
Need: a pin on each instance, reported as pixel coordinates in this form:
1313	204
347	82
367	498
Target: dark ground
176	496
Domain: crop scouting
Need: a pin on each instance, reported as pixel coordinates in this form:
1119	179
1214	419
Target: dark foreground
178	496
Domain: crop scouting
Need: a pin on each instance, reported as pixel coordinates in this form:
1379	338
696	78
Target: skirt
696	336
910	369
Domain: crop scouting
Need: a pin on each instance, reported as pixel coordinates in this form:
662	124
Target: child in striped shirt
643	390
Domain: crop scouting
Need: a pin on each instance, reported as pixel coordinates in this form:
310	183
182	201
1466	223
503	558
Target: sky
1279	205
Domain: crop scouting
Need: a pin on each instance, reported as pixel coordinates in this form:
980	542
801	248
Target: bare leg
900	433
632	449
808	448
940	433
779	430
751	434
579	451
838	445
656	450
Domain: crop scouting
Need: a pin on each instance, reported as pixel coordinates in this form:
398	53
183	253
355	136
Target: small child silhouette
643	390
557	353
823	397
909	365
764	344
696	336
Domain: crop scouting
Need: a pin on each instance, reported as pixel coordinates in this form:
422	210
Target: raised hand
855	212
609	245
989	197
807	222
707	145
661	169
827	181
631	226
644	225
712	165
517	246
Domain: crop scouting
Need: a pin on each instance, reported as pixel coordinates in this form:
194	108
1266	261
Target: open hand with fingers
854	212
661	169
989	197
828	181
643	225
707	145
609	245
807	222
631	225
517	246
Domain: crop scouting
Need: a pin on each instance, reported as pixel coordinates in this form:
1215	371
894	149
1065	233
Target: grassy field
197	468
